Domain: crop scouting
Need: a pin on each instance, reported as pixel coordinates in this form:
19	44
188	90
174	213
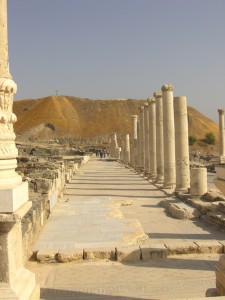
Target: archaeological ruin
136	212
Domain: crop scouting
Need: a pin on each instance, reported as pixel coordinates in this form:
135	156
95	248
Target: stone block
101	253
153	252
70	255
181	248
220	276
46	257
13	198
209	247
129	254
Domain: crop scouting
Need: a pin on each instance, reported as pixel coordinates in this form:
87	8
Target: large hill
73	116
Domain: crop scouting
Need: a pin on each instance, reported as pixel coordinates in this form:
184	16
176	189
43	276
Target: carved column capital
167	87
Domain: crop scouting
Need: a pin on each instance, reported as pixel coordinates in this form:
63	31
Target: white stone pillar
15	281
122	153
152	139
169	137
221	135
142	138
146	128
138	145
127	149
159	138
133	150
198	181
181	144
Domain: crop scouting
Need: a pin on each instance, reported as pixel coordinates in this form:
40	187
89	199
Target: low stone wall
47	180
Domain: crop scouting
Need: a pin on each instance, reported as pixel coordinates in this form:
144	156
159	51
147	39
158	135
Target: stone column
122	153
133	149
138	146
169	137
15	281
221	135
181	144
142	138
114	149
127	149
198	184
146	120
159	138
152	139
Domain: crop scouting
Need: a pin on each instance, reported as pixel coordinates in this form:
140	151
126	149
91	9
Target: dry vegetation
72	116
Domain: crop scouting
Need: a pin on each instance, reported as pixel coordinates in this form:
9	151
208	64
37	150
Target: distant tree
192	140
209	138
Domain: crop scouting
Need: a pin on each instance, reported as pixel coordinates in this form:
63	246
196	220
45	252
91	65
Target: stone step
135	253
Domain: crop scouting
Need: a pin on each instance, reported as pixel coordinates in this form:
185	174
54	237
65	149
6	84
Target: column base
23	287
13	198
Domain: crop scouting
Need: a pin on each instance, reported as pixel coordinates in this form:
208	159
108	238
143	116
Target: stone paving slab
178	277
107	206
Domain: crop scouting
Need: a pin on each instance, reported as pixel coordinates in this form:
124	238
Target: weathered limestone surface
181	144
142	138
169	137
221	135
198	181
15	281
159	138
133	150
220	276
152	139
127	149
147	154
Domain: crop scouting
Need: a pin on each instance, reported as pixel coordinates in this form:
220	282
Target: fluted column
146	121
15	281
142	138
133	150
159	138
181	144
169	137
221	134
127	149
152	139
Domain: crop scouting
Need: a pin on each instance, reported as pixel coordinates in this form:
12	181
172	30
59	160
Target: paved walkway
109	206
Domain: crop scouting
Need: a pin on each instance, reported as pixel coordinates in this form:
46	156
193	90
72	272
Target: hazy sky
119	49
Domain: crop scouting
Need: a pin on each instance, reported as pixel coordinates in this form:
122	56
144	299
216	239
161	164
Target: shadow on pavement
57	294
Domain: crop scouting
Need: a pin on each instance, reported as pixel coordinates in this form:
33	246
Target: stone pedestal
159	138
198	181
147	154
127	149
152	139
142	138
133	150
169	137
16	282
181	144
220	276
221	135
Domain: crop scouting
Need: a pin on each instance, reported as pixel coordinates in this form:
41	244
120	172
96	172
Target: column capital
134	116
221	111
151	101
167	87
157	95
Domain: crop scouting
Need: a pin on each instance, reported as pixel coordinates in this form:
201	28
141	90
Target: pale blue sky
119	49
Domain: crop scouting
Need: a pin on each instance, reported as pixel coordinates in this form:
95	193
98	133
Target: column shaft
127	149
159	138
133	150
169	137
181	144
142	138
152	139
221	132
146	128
